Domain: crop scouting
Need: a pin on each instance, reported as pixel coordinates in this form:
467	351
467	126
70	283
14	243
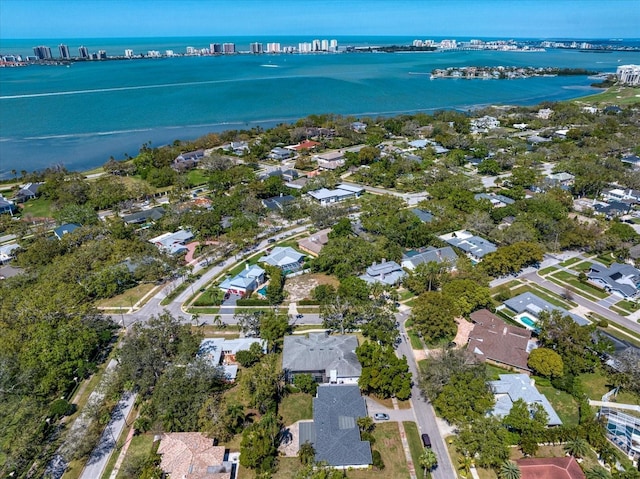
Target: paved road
100	456
595	307
423	410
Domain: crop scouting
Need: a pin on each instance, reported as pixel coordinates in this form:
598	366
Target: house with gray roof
7	252
342	192
28	192
144	216
511	387
173	243
285	258
277	203
221	353
65	229
473	246
620	279
386	272
334	432
412	259
6	206
423	215
497	201
245	282
533	305
280	154
328	358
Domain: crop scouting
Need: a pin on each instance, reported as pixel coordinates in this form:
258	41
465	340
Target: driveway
397	415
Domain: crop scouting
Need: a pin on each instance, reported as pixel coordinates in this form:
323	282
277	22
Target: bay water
80	115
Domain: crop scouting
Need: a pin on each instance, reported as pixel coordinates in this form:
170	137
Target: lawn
586	287
493	372
416	342
571	261
548	270
128	298
139	449
388	443
196	177
563	403
606	260
542	293
582	267
37	208
296	406
616	95
415	445
406	294
628	306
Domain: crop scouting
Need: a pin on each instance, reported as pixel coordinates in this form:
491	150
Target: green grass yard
128	298
415	445
296	406
37	208
587	288
616	95
563	403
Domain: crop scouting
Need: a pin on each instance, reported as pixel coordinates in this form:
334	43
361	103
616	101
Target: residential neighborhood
419	296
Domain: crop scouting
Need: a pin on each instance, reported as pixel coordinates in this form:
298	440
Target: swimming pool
526	320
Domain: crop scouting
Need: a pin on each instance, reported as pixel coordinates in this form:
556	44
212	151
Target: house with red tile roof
550	468
190	455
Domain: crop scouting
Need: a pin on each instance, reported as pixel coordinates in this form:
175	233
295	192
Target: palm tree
509	470
598	473
307	453
428	460
465	463
235	416
607	454
577	447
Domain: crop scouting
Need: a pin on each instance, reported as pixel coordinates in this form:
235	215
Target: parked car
271	240
380	416
426	440
299	316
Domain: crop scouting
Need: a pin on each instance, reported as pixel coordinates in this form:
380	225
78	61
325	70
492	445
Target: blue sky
420	18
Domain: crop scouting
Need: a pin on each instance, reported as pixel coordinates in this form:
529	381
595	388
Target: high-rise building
228	48
128	53
324	45
64	51
255	47
42	52
83	52
102	54
333	45
215	48
316	46
273	48
305	47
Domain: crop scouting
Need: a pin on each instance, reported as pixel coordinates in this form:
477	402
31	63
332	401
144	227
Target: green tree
273	327
259	445
465	463
76	214
509	470
485	439
577	447
306	453
465	398
597	473
248	357
383	373
546	362
305	383
433	316
428	460
467	295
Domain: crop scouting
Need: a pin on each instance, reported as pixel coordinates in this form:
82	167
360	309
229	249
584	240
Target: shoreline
204	129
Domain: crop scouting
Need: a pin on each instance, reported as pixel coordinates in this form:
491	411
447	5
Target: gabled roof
511	387
245	279
277	202
387	272
282	256
321	352
431	254
550	468
469	243
423	215
62	230
336	410
494	198
495	340
316	241
152	214
533	304
620	277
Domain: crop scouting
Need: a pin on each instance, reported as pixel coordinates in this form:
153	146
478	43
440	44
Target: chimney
384	260
246	266
504	331
281	195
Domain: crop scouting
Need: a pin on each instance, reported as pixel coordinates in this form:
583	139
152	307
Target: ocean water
81	114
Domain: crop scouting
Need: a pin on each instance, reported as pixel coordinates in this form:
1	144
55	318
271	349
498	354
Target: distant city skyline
66	19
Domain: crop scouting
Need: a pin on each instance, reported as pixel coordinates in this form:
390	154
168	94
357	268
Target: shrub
60	408
378	463
305	383
252	302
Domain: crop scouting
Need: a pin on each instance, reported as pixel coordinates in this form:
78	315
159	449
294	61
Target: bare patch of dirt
300	287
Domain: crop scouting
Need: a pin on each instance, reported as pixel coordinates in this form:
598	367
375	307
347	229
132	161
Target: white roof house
387	272
173	243
342	192
6	252
285	258
221	352
474	246
245	281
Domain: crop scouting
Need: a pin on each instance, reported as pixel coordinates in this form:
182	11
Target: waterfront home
359	127
188	160
305	145
494	341
28	192
144	216
327	358
511	387
6	206
342	192
388	273
628	74
473	246
7	252
245	282
484	124
618	194
633	160
237	147
620	279
412	259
